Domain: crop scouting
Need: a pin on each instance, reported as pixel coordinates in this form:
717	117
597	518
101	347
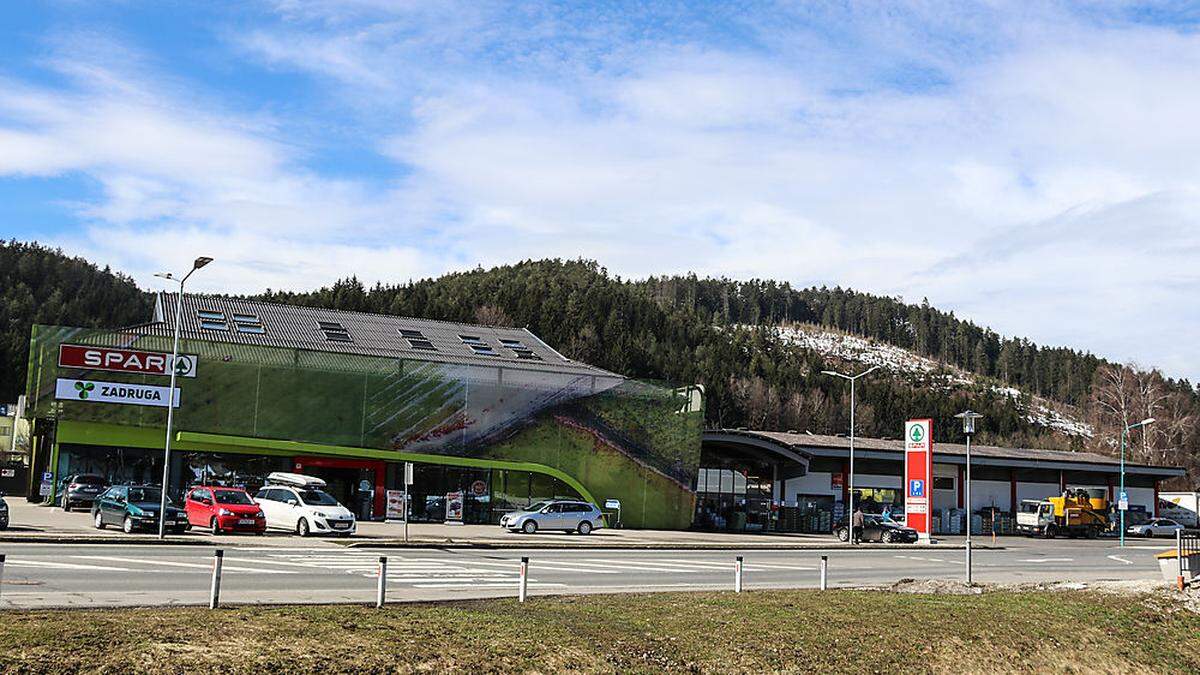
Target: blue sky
1031	166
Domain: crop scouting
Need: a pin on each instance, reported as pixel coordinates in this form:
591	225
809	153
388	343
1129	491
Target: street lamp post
968	425
1125	435
853	380
171	401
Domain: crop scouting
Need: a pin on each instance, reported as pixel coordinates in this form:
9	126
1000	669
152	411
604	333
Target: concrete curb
658	546
102	540
121	539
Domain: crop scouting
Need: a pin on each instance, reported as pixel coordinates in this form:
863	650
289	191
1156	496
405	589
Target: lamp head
968	421
165	275
201	262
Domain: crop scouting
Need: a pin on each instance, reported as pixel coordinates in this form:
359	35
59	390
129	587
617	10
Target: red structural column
1155	499
846	485
961	480
1062	481
1110	488
1012	491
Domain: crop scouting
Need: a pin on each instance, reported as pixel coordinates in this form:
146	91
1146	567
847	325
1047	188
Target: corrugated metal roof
297	327
897	446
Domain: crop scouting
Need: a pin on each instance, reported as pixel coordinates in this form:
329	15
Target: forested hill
737	338
41	285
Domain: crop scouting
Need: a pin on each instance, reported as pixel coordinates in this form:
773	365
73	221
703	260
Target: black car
80	489
875	528
135	507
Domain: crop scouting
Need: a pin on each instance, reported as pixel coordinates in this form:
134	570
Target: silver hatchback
569	516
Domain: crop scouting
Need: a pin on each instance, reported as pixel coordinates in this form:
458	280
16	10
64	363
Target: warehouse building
493	418
800	482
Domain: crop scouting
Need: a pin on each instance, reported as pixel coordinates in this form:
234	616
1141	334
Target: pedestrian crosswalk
419	569
474	572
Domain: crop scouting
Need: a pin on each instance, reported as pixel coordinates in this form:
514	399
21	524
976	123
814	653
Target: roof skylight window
477	345
334	331
417	340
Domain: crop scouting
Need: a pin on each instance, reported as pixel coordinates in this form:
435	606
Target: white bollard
969	562
214	594
737	575
381	589
824	572
2	557
521	587
1180	582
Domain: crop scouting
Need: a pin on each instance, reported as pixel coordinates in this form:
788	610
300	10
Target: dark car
80	489
135	507
875	528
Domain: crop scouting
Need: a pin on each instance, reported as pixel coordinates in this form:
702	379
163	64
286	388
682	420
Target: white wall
1140	496
985	493
815	483
1036	491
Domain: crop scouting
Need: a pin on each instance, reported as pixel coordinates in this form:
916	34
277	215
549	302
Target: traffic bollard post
381	590
214	594
521	586
737	575
824	572
1180	582
968	562
2	557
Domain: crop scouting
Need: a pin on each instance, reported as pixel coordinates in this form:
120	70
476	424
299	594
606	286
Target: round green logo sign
917	433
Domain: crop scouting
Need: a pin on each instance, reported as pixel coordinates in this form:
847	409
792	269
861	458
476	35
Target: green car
135	507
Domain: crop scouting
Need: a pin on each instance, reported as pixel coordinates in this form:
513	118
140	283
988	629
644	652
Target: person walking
856	525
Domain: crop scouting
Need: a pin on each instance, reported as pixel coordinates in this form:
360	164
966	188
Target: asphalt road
47	575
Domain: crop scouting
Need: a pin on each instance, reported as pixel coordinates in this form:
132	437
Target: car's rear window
232	497
90	480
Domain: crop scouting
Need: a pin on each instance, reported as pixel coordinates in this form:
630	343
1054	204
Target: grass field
843	631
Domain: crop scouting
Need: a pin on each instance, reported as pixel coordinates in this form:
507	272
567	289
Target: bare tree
490	315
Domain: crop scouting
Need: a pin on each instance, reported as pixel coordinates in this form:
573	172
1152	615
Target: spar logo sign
916	433
125	360
94	391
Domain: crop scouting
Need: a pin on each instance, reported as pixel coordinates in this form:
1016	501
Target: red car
224	509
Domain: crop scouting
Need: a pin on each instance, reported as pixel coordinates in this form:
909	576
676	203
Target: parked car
3	513
80	489
135	507
224	509
299	504
1155	527
570	516
875	528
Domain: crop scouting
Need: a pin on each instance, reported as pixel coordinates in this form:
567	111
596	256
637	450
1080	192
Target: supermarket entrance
738	482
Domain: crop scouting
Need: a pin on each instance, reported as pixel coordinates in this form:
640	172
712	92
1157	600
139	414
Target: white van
299	503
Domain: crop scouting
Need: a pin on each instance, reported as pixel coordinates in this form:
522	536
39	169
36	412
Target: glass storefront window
229	470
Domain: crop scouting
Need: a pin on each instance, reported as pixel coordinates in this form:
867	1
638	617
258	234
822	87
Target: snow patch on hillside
900	361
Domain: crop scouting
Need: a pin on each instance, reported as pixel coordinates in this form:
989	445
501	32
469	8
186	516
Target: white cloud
1032	170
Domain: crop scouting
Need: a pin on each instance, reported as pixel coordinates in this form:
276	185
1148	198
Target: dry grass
807	631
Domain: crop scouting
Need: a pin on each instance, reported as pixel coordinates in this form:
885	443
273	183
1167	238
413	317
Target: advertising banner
918	476
395	505
94	391
124	360
454	508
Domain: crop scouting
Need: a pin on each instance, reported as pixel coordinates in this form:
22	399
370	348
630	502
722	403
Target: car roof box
294	480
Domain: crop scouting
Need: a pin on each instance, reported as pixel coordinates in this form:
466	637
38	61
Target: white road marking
1120	559
1047	560
510	584
168	563
64	566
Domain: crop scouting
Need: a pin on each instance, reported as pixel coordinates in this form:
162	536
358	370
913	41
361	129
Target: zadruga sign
124	360
95	391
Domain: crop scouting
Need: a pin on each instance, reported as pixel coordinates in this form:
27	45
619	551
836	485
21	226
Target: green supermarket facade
489	415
